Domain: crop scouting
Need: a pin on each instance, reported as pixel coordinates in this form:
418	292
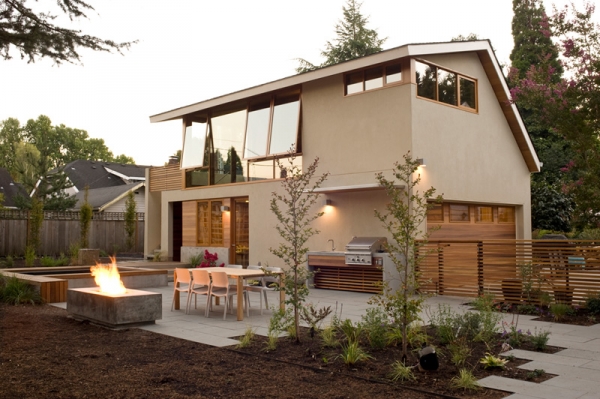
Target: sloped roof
97	174
9	188
101	198
482	48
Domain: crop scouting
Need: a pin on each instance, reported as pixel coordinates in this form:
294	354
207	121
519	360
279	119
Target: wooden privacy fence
61	229
567	270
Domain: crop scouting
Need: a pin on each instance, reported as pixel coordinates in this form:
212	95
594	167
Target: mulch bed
311	353
45	354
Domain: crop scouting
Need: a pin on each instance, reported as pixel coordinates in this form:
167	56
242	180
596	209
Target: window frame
211	241
384	83
458	75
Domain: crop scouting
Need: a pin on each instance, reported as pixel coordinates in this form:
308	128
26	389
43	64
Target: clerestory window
439	84
373	78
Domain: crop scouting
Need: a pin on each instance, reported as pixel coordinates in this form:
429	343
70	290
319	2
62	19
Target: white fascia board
124	177
114	200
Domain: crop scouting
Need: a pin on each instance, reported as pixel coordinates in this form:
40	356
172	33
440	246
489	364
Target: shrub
329	338
196	260
491	361
17	292
402	373
10	261
375	324
484	302
513	335
247	338
351	331
271	343
592	303
352	354
416	335
488	327
74	253
459	352
535	374
539	339
29	255
444	322
49	261
560	310
465	380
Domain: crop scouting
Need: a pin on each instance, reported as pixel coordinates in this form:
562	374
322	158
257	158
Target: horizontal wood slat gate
331	272
568	270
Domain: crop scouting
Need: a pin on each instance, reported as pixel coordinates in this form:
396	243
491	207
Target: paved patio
577	367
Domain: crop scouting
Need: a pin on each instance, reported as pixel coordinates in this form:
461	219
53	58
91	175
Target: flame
107	278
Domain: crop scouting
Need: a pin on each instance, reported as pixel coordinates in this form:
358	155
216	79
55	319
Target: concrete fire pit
131	309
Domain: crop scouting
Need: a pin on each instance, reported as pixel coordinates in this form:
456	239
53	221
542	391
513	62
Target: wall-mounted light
225	208
421	162
328	202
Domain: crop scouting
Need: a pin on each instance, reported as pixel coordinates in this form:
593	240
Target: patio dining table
239	275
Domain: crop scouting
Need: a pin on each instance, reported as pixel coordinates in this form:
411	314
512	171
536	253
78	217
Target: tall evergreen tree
551	207
353	40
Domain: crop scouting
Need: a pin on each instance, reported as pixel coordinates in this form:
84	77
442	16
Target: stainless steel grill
359	251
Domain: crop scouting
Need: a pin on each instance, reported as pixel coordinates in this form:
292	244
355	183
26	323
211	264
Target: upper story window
445	86
242	145
373	78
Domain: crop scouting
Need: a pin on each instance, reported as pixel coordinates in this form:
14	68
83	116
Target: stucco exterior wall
471	156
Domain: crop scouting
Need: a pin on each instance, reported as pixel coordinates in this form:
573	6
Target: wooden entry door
240	237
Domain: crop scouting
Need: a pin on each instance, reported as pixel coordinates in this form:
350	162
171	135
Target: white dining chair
182	283
200	286
261	289
220	287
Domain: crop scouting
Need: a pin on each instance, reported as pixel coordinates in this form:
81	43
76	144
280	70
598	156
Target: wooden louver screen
165	178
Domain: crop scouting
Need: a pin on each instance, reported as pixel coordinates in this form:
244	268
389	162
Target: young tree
403	219
353	40
571	105
292	209
130	219
85	219
35	35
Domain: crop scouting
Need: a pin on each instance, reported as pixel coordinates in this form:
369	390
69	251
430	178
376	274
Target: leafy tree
11	134
35	35
353	40
403	218
292	209
469	37
570	105
85	219
533	45
123	159
130	219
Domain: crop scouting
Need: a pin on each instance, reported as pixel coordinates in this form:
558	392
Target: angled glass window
426	80
194	146
257	130
228	138
286	116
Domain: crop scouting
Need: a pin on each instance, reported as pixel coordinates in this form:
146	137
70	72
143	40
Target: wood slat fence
568	270
61	229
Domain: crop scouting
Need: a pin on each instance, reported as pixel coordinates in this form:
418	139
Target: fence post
440	269
480	268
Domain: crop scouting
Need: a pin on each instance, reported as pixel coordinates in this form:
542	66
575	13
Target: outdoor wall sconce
225	209
328	202
421	162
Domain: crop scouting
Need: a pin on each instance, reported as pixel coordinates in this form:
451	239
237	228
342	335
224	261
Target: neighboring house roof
10	189
102	198
95	174
483	48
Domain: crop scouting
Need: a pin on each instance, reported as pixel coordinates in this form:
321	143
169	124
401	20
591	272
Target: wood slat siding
189	214
165	178
469	268
331	272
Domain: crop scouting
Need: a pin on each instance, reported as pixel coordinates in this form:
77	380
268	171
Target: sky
193	50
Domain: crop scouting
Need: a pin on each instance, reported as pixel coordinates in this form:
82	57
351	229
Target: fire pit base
131	309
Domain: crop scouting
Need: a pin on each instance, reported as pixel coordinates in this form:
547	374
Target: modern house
446	103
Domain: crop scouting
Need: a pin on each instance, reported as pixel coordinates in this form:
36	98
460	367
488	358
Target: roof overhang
135	187
482	48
